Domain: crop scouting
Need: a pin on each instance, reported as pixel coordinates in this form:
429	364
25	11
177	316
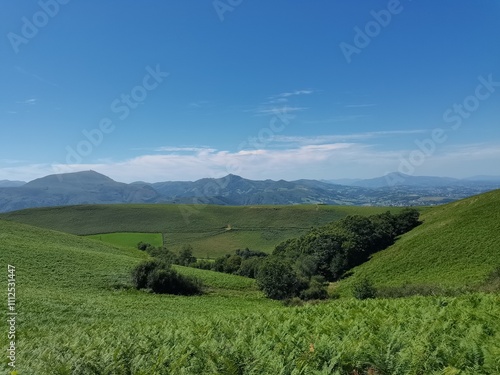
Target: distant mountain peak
72	178
231	176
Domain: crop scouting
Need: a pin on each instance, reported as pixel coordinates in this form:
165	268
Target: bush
186	257
142	271
159	277
168	281
232	264
247	253
143	245
316	289
202	264
277	279
250	267
162	254
364	289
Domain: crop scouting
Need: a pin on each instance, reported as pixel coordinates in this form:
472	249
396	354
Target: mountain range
90	187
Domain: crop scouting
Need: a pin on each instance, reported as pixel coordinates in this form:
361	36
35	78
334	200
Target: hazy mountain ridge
90	187
73	188
400	179
10	183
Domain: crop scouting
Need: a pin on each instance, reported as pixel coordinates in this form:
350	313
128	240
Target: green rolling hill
458	244
211	230
77	315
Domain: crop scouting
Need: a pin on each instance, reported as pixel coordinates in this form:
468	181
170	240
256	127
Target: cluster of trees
243	262
332	250
185	257
302	267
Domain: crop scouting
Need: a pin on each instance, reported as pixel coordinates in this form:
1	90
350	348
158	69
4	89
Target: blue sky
181	90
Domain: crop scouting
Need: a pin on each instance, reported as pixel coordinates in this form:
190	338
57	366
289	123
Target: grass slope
457	244
71	321
211	230
129	240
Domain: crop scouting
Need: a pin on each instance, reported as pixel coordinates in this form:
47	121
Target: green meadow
79	315
211	230
129	239
457	245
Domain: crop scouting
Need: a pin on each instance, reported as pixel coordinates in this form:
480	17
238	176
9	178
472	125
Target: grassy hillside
211	230
71	320
129	240
457	244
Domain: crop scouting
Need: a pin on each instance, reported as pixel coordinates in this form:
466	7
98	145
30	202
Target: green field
458	244
76	316
211	230
129	239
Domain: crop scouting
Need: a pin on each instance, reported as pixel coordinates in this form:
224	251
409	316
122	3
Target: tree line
302	267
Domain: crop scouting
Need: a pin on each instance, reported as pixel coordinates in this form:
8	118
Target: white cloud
320	139
294	93
276	110
283	97
184	149
30	101
315	160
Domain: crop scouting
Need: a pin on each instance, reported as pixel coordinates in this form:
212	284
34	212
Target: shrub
247	253
161	278
141	272
186	257
250	267
232	264
168	281
143	245
162	254
277	279
364	289
316	289
202	264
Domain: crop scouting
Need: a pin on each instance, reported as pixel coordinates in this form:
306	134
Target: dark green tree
185	257
277	279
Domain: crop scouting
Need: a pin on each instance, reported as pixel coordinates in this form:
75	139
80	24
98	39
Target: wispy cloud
278	110
184	149
294	93
283	97
329	138
336	119
31	101
37	77
359	105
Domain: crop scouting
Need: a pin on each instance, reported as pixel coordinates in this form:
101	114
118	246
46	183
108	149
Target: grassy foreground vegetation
212	231
78	315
